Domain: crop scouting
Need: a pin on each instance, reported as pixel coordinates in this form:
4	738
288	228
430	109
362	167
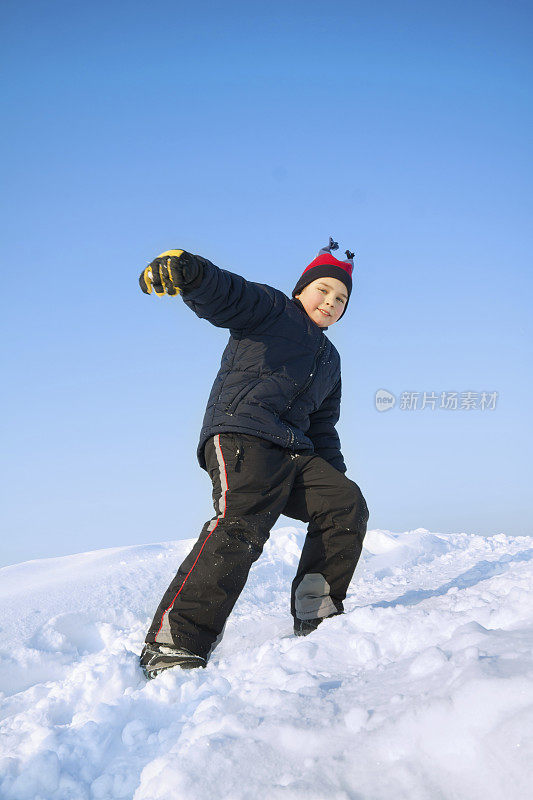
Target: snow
422	689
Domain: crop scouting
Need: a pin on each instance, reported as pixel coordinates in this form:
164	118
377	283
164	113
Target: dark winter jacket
279	377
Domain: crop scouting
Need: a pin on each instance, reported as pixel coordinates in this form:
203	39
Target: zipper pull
239	454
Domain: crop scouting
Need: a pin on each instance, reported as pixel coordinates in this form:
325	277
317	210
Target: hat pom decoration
331	246
350	257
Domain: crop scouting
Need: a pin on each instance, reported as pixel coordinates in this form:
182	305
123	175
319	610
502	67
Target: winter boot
303	627
157	657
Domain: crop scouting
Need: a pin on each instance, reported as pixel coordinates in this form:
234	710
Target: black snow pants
254	481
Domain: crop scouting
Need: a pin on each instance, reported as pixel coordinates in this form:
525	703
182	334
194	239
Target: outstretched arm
322	429
223	298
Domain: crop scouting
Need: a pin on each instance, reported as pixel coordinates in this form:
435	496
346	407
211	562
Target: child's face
324	300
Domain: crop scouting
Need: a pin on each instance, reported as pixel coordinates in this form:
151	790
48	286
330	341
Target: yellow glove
165	274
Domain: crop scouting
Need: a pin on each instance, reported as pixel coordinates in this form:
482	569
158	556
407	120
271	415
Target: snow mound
422	689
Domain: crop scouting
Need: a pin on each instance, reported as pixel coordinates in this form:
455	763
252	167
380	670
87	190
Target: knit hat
327	266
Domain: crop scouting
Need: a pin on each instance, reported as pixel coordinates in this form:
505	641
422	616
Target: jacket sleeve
322	429
227	300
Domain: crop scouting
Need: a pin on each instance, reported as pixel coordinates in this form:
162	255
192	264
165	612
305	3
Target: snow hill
422	690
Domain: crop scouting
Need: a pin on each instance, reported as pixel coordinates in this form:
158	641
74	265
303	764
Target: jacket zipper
306	385
310	378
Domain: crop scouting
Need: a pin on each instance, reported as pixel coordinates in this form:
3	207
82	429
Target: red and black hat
326	265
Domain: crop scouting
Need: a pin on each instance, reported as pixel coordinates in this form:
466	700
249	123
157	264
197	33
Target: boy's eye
320	289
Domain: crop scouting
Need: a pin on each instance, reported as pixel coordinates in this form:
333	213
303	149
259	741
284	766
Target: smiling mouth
325	313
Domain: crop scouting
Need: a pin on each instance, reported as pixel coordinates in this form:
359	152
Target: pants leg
337	514
252	479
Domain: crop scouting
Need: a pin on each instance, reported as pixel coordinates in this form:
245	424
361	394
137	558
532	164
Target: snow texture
422	689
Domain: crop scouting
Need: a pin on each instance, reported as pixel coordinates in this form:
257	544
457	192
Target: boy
269	443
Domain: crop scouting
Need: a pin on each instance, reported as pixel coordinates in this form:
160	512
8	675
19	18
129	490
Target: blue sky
249	133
